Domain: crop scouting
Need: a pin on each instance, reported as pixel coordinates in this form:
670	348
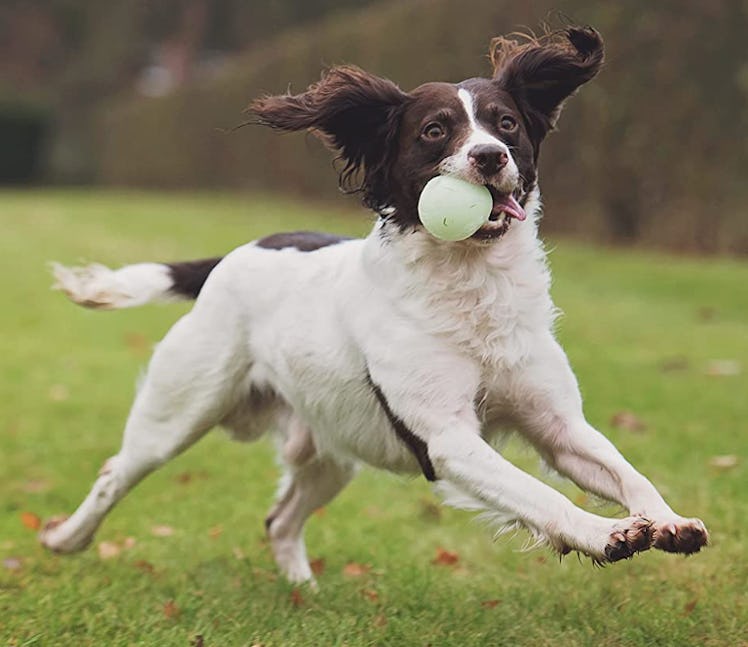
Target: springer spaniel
398	350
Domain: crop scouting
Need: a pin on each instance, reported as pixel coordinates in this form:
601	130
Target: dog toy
452	209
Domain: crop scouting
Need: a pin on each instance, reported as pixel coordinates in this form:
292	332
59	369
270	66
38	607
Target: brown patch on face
419	153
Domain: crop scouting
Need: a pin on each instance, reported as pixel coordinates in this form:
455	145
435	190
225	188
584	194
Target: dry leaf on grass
170	609
353	569
317	566
690	606
296	598
370	594
129	543
430	510
215	532
380	620
674	364
162	531
445	557
35	486
144	566
724	462
31	521
108	549
490	604
629	421
723	368
137	343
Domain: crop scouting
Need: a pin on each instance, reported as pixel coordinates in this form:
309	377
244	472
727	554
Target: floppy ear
353	112
542	73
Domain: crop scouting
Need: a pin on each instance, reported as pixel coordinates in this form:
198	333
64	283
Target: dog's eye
508	123
433	131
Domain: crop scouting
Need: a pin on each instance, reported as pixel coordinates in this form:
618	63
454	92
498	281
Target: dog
399	350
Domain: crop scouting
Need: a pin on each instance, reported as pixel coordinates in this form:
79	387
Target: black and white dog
400	351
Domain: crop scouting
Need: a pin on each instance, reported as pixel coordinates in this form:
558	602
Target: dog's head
485	131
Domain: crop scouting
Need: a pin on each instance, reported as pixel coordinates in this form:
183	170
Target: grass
641	330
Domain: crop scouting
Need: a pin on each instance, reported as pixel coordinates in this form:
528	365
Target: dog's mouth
505	208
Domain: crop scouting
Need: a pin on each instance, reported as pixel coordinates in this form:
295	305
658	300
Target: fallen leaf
198	641
690	606
296	598
58	393
581	499
34	486
31	521
724	462
144	566
723	368
673	364
352	569
370	594
215	532
108	549
13	563
170	609
490	604
706	313
162	531
380	620
430	510
317	566
320	512
184	477
129	543
628	421
445	557
137	343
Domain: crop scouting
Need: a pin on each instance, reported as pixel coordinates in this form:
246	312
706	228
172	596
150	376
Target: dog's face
485	131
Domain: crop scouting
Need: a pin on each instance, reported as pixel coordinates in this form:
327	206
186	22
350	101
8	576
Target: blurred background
142	94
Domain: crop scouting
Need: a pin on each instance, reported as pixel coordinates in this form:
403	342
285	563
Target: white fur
457	336
459	164
96	286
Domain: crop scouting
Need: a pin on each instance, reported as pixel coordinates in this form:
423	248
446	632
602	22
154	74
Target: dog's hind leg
311	482
190	383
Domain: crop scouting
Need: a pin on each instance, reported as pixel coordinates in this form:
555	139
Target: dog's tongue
509	206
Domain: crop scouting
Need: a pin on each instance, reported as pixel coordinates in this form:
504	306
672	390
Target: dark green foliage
653	150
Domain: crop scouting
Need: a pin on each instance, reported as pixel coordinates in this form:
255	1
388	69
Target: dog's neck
478	294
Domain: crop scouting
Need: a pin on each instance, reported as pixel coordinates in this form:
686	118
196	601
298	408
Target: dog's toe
685	536
631	536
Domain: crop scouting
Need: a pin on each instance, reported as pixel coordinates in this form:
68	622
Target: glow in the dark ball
452	209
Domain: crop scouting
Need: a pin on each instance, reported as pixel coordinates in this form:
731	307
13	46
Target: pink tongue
509	206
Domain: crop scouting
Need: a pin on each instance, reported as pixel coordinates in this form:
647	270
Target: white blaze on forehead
478	134
459	165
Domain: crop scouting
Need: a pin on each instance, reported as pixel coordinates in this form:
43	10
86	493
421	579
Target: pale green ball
452	209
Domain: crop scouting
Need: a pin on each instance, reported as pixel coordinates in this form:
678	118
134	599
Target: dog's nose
488	158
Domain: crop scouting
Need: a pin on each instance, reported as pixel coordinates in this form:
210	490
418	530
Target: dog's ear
353	112
543	72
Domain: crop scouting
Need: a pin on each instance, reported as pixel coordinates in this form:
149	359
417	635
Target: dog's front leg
437	412
462	458
551	416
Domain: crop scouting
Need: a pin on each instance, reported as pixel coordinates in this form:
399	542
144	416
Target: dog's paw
679	535
629	536
54	537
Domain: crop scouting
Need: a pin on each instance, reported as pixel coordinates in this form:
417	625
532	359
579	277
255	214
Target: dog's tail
98	287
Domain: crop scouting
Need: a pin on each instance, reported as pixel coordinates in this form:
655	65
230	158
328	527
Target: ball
452	209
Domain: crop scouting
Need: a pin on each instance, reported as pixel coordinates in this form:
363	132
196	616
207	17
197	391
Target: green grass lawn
642	331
